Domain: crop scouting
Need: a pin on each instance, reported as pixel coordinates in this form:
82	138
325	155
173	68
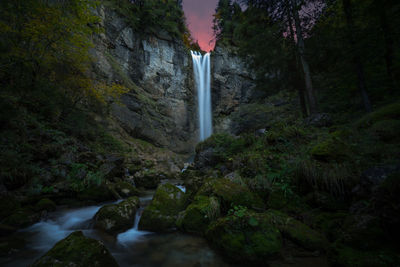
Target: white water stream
202	77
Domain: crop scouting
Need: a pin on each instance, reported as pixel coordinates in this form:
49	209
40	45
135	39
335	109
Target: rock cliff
160	106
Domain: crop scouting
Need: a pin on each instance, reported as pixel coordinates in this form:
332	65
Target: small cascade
202	70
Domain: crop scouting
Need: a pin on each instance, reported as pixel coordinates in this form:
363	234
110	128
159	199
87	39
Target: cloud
199	15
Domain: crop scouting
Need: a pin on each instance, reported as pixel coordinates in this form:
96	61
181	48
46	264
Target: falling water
201	70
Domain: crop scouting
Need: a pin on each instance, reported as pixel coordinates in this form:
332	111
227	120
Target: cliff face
160	106
232	85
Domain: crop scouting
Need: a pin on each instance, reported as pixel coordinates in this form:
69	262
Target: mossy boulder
249	238
125	189
231	194
147	178
289	203
163	210
22	217
199	214
386	130
45	204
95	194
329	223
297	231
332	148
388	112
77	250
116	218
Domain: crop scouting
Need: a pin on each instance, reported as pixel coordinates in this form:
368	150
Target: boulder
116	218
163	210
231	194
247	238
45	204
77	250
147	178
296	231
125	189
199	214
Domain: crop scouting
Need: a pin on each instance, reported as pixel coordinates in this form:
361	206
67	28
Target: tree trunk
388	37
356	58
312	103
294	66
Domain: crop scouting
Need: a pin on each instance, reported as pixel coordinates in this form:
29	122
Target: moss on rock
45	204
199	214
163	210
296	231
249	238
116	218
95	194
331	149
77	250
8	205
147	178
22	218
125	189
230	193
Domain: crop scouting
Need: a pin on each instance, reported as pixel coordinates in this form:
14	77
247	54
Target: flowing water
131	248
202	77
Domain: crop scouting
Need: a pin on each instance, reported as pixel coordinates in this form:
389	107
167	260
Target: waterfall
201	70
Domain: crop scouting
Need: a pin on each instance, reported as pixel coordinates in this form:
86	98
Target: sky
199	16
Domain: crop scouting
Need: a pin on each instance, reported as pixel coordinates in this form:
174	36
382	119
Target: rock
147	178
199	214
291	204
250	118
22	218
116	218
371	178
319	120
77	250
163	210
331	149
95	194
249	238
297	231
125	189
157	69
231	194
45	204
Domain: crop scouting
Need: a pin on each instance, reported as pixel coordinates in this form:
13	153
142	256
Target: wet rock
147	178
296	231
230	193
11	244
246	238
77	250
22	217
319	120
45	204
116	218
95	194
163	210
199	214
125	189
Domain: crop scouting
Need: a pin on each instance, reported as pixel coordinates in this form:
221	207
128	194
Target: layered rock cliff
160	106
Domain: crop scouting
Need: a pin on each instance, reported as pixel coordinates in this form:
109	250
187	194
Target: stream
130	248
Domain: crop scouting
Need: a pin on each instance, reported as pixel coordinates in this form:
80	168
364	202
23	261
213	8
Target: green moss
125	189
22	218
96	194
331	149
163	210
199	214
297	231
230	193
388	112
290	203
45	204
243	240
77	250
386	130
116	218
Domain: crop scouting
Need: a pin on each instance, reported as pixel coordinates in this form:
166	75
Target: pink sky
199	18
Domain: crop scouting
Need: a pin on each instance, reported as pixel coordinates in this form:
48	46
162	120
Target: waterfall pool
130	248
